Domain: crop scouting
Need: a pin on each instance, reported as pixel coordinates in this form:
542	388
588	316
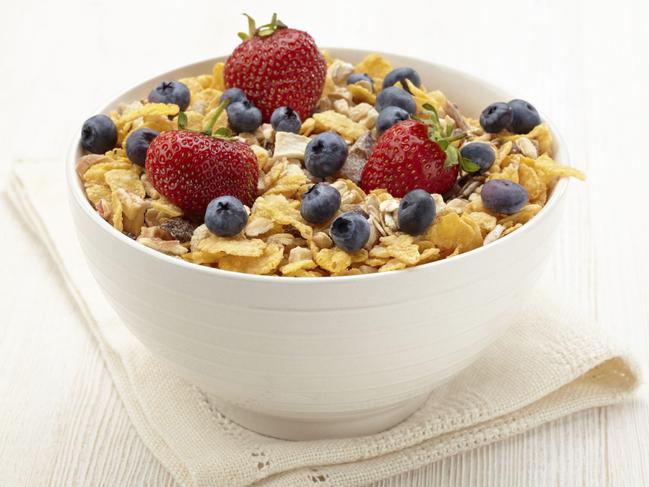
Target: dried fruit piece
178	229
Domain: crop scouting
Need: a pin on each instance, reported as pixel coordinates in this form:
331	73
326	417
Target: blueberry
479	152
234	95
389	116
320	203
350	231
524	117
394	96
400	75
503	196
356	77
225	216
138	143
416	212
98	134
171	92
325	154
496	117
243	116
285	119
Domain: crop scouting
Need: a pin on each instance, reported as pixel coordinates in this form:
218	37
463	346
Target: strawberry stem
264	30
442	136
252	28
222	106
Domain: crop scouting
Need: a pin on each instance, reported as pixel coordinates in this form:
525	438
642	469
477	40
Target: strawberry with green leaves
192	168
277	67
415	154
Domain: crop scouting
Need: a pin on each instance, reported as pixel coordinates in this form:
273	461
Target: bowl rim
79	197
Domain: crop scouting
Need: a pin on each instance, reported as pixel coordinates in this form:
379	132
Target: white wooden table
61	421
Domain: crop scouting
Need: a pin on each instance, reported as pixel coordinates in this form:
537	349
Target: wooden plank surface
61	421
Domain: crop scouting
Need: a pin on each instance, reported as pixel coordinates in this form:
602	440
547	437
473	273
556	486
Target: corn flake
234	246
204	258
402	248
452	232
522	216
267	263
151	109
361	94
485	221
116	205
96	192
376	66
308	126
294	267
535	187
97	173
339	123
435	98
549	170
127	179
217	76
278	209
392	265
333	260
429	255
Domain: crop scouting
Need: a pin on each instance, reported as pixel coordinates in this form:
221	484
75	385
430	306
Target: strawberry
405	158
276	66
190	169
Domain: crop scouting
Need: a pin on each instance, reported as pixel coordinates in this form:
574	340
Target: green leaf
428	107
223	133
449	130
182	120
217	113
243	36
468	165
451	157
252	27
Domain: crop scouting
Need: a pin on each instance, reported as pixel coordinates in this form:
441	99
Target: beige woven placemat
548	365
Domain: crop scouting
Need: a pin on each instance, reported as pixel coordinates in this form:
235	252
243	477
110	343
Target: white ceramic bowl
310	358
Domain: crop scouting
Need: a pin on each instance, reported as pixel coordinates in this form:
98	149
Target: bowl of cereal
330	297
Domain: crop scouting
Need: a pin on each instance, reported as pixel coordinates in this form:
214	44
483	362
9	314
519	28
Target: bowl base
366	422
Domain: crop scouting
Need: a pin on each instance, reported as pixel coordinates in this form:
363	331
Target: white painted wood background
584	63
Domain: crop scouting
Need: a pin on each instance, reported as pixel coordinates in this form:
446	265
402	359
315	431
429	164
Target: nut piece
457	205
299	253
322	240
357	157
494	235
340	71
526	147
134	209
151	192
342	106
169	247
258	225
456	116
104	209
289	145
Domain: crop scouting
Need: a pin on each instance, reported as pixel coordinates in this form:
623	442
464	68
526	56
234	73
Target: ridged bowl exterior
319	352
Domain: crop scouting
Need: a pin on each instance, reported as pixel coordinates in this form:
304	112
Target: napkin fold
548	364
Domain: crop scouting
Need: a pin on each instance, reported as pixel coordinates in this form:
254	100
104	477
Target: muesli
285	161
